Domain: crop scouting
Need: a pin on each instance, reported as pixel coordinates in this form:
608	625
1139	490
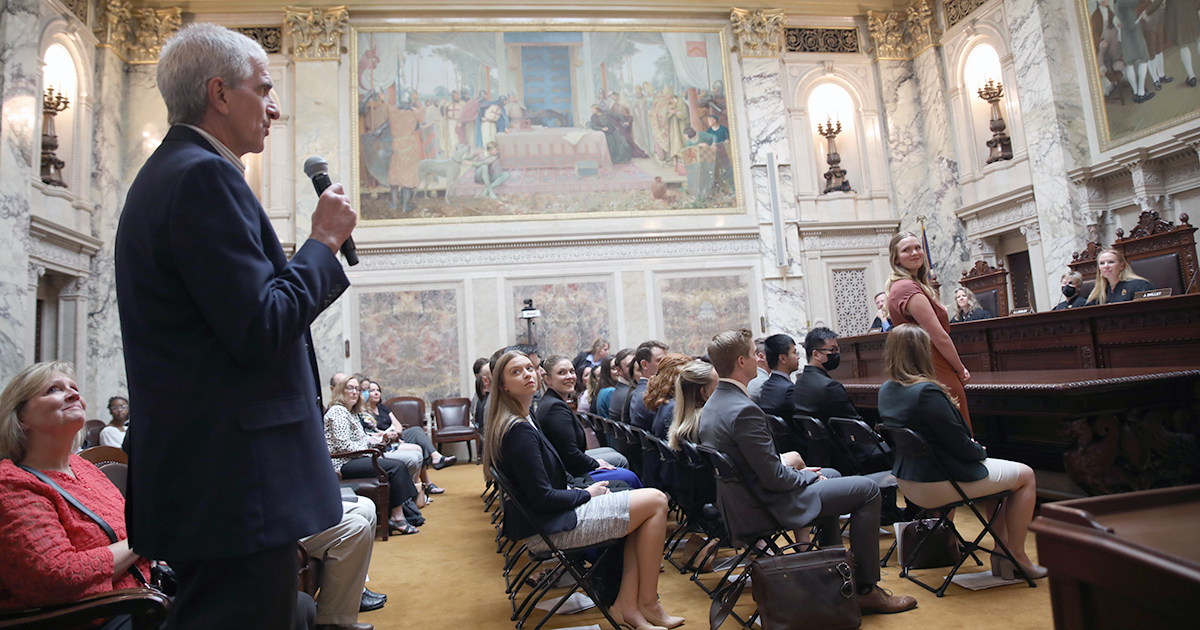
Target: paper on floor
576	603
982	580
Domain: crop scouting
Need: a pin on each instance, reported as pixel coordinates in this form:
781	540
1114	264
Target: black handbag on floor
939	549
813	590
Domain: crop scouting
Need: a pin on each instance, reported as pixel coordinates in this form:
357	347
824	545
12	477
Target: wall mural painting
404	333
574	314
468	125
1142	63
695	309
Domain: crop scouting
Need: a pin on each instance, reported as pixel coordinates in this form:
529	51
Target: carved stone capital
35	273
316	32
983	249
902	35
758	32
1032	232
71	287
137	36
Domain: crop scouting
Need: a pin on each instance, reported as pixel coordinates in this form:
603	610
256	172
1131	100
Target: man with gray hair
213	312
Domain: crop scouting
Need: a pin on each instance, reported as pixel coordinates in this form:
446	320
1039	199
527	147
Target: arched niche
859	140
985	55
65	63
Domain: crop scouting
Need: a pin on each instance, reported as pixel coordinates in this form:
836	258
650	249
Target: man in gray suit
796	496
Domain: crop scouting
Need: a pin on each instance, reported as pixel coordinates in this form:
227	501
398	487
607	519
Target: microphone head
315	165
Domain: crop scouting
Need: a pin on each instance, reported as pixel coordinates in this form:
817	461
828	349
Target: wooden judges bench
1106	394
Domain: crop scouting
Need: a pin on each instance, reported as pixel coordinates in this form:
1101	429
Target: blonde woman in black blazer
914	399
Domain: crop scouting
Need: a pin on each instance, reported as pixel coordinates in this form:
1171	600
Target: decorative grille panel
851	302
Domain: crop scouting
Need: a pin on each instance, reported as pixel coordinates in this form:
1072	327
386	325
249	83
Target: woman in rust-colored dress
912	301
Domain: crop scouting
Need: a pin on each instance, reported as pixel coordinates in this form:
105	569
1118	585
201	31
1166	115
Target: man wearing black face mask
1073	297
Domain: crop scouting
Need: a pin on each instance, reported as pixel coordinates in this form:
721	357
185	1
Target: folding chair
569	560
910	444
821	449
696	477
853	434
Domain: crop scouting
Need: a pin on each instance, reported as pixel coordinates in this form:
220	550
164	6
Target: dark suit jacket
530	462
558	424
927	410
1079	300
777	397
639	416
733	424
819	396
213	313
616	405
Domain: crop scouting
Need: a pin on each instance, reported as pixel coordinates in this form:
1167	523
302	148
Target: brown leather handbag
813	590
939	549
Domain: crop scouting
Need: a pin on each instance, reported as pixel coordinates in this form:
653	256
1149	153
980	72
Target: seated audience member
1073	296
912	398
409	439
777	394
566	435
882	323
591	357
582	402
1115	281
345	553
477	397
764	371
344	434
50	552
483	382
820	396
797	497
660	399
606	384
696	382
114	434
645	360
967	308
622	363
573	517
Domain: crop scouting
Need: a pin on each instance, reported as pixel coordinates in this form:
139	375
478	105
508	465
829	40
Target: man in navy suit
228	463
775	397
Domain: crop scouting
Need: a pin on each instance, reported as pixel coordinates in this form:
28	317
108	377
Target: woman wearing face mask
912	301
1115	281
558	424
1072	296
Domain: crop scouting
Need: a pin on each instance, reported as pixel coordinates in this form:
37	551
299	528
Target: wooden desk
1123	561
1110	430
1163	332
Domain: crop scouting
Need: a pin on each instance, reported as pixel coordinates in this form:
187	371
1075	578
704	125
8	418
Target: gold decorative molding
824	40
902	35
269	37
316	32
136	36
759	32
958	10
79	8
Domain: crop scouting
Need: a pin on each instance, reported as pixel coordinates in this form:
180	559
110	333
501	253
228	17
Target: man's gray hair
196	54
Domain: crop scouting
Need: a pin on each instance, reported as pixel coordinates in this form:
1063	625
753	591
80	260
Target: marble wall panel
635	306
329	342
765	109
409	341
318	115
787	310
487	329
696	308
574	314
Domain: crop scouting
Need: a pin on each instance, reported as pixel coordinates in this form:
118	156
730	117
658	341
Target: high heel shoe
620	619
1003	568
667	622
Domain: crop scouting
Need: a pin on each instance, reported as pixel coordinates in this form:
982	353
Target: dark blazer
616	404
819	396
213	312
530	462
974	315
927	410
1124	290
883	325
558	424
733	424
638	415
778	396
480	416
1075	302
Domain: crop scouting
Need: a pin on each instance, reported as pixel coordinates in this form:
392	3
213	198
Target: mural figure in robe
642	135
373	141
623	116
403	175
468	122
451	110
493	119
489	171
618	147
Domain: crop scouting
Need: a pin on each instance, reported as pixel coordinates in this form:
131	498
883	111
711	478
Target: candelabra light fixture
835	177
1000	145
52	103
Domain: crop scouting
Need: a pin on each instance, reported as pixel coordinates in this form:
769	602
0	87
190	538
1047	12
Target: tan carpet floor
448	577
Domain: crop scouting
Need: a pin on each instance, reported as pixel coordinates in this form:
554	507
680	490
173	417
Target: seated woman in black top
1115	281
572	517
1072	296
967	308
912	398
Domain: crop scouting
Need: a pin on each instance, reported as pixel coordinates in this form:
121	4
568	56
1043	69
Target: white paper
576	603
982	580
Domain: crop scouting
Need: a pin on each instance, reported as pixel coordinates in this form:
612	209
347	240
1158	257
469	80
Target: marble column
1052	112
73	326
766	115
1044	299
118	150
20	103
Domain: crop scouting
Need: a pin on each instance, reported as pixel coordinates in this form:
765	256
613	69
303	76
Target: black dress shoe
445	461
1191	82
367	591
370	603
1166	79
1157	85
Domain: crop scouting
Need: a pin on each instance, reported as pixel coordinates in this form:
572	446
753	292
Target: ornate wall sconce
835	177
52	104
1000	144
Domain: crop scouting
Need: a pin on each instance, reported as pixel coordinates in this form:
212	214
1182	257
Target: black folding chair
910	444
821	449
569	561
861	442
695	486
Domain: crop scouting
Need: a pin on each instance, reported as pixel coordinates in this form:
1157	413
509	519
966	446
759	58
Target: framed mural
467	124
1141	58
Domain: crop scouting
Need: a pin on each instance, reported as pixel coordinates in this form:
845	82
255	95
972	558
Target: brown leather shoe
880	601
345	626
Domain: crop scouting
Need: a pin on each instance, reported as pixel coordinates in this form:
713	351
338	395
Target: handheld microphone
318	169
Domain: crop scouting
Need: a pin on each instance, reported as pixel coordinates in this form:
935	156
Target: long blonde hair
685	424
339	396
20	390
921	277
972	302
1100	291
504	411
908	358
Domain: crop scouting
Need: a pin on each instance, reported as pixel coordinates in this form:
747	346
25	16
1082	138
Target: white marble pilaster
19	106
1052	112
73	315
1037	260
317	115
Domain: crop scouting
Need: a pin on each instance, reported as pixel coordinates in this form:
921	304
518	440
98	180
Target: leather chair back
452	412
1163	271
409	410
92	430
989	301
